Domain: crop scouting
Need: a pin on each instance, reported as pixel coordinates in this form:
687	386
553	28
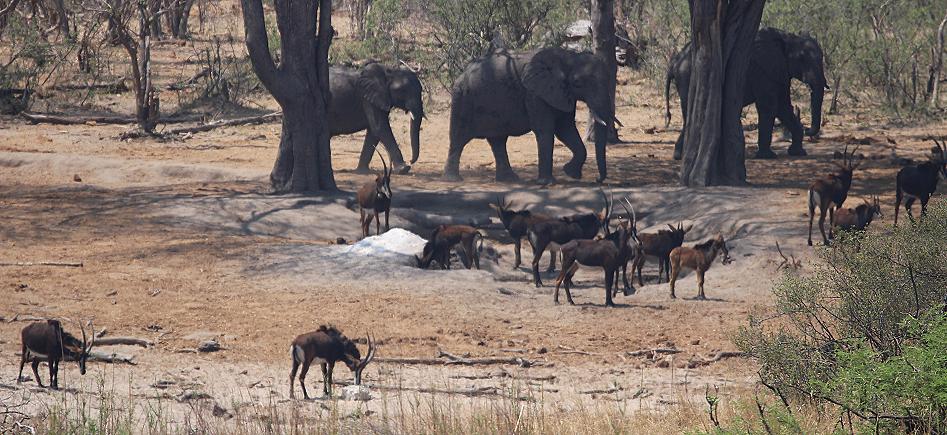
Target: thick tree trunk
177	13
603	42
722	37
938	64
300	84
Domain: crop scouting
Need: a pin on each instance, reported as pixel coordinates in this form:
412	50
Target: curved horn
384	165
634	217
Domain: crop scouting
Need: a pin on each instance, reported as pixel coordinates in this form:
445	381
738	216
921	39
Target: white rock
356	392
396	244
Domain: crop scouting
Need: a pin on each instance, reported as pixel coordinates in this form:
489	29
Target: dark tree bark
138	47
722	33
603	42
177	13
300	84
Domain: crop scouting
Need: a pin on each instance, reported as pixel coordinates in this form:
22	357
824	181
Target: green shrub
867	331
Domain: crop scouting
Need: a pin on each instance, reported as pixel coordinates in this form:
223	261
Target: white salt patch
356	392
397	244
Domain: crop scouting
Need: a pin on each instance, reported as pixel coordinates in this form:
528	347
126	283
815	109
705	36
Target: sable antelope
517	224
609	253
659	246
47	341
375	197
698	258
830	193
326	346
631	246
446	237
564	230
857	218
920	182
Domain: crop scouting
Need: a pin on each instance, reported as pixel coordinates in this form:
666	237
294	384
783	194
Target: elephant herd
508	93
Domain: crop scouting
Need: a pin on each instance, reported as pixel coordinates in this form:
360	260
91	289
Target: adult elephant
777	58
362	99
510	94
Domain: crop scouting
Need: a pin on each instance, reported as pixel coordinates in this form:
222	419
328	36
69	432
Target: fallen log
454	359
118	86
42	118
40	263
129	341
111	357
209	126
611	390
716	357
660	350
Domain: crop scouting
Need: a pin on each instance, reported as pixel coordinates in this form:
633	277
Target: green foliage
27	58
866	331
883	46
381	39
465	29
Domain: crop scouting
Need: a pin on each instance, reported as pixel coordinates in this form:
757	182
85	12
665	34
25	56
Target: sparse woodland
850	337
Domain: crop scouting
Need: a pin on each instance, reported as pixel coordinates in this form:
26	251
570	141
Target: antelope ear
672	227
545	78
373	82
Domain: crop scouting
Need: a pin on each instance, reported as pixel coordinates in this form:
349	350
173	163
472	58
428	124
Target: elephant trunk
818	92
602	119
416	117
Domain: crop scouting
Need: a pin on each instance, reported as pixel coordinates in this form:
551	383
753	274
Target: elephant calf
512	93
362	100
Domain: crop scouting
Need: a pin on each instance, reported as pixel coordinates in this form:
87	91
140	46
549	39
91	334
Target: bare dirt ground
180	242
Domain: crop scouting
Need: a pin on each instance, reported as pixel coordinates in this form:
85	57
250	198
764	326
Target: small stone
542	350
220	411
208	346
695	341
356	392
76	178
340	241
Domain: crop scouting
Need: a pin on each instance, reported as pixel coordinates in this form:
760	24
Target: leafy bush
867	331
25	60
465	29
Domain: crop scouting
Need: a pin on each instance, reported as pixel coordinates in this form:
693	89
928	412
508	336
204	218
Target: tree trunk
300	84
938	64
177	12
722	38
603	42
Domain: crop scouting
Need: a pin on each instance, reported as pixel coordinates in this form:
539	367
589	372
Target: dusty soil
180	242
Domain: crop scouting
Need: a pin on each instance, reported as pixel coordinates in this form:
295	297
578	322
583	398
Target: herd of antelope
587	239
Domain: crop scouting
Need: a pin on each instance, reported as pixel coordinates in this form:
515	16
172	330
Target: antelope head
358	365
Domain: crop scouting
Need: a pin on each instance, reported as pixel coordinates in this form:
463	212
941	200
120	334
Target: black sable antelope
609	253
517	224
46	341
919	182
375	197
446	237
830	193
326	346
659	246
564	230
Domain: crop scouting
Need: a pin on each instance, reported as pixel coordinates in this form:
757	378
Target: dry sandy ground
180	242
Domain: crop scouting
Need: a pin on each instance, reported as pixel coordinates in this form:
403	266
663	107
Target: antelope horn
634	217
371	352
384	165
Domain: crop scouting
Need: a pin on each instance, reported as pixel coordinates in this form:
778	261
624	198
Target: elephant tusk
598	119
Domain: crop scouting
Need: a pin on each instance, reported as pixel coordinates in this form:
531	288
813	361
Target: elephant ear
545	77
373	82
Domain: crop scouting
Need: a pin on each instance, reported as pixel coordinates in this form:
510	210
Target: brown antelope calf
858	218
830	193
517	224
375	197
326	346
46	341
698	258
608	253
659	246
919	182
446	237
564	230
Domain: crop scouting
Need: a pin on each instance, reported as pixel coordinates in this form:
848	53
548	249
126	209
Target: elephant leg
679	145
368	151
457	144
379	127
544	144
568	134
789	120
504	170
767	118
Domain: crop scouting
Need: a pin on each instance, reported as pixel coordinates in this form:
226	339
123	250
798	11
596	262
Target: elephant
361	100
777	58
512	93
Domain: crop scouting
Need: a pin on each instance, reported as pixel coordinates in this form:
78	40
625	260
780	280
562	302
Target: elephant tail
667	97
